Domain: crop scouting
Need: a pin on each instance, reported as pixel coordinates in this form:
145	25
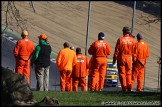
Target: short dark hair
78	50
66	44
139	36
23	36
126	30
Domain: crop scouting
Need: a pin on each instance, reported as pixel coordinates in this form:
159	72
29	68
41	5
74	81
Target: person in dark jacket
41	60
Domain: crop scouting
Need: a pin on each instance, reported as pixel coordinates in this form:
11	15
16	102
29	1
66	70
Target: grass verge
107	98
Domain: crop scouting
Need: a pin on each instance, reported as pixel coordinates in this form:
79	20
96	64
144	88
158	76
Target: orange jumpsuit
140	56
65	61
23	50
90	76
123	54
99	50
80	71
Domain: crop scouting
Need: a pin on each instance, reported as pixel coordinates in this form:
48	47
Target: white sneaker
100	90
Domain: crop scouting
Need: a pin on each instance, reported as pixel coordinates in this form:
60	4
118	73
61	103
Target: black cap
126	29
101	36
139	36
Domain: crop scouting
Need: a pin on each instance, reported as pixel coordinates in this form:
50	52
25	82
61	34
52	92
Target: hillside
67	21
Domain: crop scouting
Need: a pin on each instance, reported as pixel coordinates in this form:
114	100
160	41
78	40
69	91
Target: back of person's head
24	34
126	30
101	36
139	36
66	45
78	50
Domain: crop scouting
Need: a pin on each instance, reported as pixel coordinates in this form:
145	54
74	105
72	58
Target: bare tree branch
152	20
6	13
16	14
13	16
149	19
32	6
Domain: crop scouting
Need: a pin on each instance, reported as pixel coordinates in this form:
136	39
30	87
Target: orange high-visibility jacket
81	68
125	46
24	49
96	49
141	51
66	59
90	66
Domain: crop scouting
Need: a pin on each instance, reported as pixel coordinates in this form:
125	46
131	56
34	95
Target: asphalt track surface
8	61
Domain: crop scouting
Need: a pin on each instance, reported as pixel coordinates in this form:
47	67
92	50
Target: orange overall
23	50
65	61
123	54
80	71
99	50
141	54
90	77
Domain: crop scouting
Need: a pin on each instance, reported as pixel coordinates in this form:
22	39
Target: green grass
101	98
